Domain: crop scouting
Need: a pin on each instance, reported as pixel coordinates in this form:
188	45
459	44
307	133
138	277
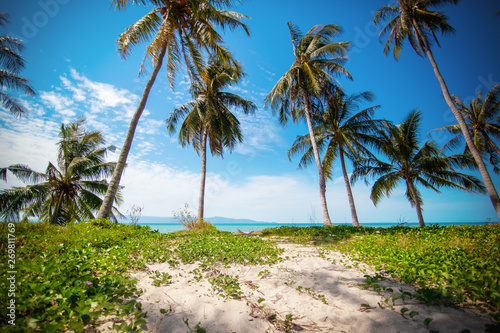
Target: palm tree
11	64
415	21
179	29
317	60
483	122
340	133
65	194
208	116
413	164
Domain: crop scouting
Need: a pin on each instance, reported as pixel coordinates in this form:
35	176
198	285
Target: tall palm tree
414	20
340	133
317	60
414	165
11	63
208	116
181	30
483	121
67	193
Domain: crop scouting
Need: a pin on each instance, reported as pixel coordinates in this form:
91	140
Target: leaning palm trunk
322	183
354	215
495	200
107	203
201	200
416	202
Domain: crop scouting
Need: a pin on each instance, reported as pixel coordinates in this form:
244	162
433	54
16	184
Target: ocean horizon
167	227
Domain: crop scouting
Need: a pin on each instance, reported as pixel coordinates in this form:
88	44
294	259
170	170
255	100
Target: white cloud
29	141
58	102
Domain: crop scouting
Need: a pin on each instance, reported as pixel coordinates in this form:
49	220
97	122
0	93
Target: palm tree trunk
322	183
201	200
109	197
417	203
354	215
490	187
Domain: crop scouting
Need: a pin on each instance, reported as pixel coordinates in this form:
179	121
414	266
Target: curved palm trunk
417	203
354	215
201	200
109	197
490	187
322	183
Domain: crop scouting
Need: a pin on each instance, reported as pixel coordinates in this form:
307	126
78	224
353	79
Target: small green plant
226	285
264	274
160	278
287	323
196	329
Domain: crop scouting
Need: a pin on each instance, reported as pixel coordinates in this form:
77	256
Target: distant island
170	219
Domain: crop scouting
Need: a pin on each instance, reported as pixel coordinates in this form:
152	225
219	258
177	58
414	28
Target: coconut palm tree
483	121
340	134
66	193
208	116
317	60
414	165
416	21
180	30
11	63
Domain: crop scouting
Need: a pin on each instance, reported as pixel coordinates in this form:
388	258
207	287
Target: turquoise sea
234	227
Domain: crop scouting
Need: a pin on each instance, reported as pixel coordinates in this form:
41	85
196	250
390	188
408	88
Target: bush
185	217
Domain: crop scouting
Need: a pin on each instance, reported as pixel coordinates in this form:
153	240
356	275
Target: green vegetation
448	265
69	277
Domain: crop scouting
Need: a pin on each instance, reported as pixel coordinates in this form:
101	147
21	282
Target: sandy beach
310	291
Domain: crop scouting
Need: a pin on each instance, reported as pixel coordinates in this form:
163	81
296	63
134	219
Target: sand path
320	290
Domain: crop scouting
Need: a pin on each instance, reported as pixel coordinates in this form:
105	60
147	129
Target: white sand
186	298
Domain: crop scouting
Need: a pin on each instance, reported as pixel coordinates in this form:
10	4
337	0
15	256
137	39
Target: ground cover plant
68	278
456	265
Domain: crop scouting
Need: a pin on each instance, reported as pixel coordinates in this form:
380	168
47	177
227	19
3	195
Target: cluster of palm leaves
11	63
67	192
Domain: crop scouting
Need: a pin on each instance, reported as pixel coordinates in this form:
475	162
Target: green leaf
413	314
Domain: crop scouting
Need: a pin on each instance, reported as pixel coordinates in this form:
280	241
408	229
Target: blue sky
73	64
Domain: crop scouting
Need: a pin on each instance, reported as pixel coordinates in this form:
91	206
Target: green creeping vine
69	277
226	285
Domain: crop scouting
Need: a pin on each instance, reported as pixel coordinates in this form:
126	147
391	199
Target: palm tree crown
414	165
185	28
317	61
11	63
208	117
65	194
415	21
483	120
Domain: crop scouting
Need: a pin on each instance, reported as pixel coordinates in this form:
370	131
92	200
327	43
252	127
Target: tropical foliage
317	61
64	193
180	30
483	120
11	63
208	117
340	134
413	164
416	21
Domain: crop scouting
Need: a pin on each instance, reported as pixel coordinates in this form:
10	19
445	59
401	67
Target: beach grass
69	278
